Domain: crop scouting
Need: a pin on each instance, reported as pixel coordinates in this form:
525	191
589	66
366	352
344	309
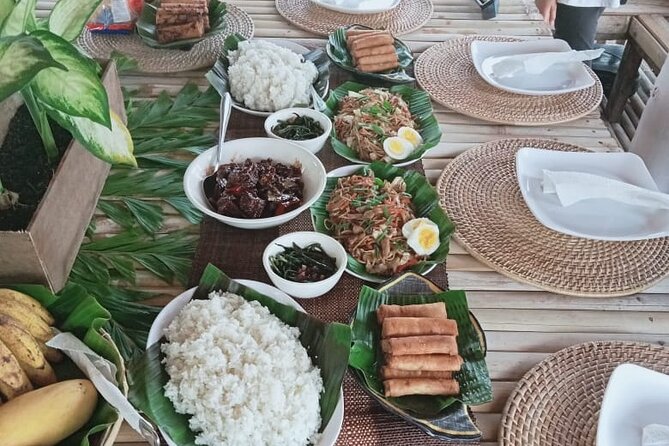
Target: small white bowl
309	289
257	149
313	145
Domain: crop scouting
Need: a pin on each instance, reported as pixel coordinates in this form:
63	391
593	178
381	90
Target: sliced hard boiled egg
397	148
410	135
411	225
424	240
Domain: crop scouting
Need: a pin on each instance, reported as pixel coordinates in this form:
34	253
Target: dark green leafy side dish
425	202
338	53
298	128
146	25
420	107
308	264
328	346
366	355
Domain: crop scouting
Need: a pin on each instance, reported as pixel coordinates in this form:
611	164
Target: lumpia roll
357	32
420	386
444	363
420	345
400	327
437	309
352	38
378	59
377	67
388	373
371	41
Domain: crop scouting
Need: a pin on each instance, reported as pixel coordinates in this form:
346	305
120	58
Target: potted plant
49	185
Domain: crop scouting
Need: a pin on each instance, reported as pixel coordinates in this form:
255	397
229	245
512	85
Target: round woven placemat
408	16
557	403
479	191
155	60
447	73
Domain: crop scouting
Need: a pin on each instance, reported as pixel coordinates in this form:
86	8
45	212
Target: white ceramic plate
558	79
169	312
635	397
295	47
358	6
598	219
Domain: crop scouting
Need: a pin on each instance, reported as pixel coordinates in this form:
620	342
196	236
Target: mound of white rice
267	77
242	374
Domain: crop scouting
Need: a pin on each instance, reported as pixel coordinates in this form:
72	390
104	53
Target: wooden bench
615	22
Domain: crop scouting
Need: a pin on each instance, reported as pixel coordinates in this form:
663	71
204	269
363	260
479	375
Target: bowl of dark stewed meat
262	182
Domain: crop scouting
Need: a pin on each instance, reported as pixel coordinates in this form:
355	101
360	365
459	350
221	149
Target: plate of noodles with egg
395	125
388	219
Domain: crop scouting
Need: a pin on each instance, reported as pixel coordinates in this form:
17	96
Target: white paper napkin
655	435
535	63
572	187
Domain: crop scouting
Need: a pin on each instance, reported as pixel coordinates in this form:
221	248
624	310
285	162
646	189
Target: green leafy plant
56	81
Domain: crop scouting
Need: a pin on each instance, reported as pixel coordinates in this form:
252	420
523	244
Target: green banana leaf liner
426	204
420	107
146	25
79	313
441	416
218	75
328	345
338	52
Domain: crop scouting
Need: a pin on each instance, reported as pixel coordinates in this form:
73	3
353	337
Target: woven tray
154	60
479	192
557	403
447	73
408	16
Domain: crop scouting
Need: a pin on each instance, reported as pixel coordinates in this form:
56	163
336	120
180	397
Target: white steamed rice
242	374
266	77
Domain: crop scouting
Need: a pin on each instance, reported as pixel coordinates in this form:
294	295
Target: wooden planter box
44	253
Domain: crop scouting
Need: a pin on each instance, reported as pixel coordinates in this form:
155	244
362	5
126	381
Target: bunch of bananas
25	327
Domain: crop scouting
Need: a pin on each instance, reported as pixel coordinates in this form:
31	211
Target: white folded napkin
535	63
655	435
572	187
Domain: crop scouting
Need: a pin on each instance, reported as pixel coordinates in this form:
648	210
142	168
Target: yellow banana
48	415
13	380
28	320
28	301
27	352
52	355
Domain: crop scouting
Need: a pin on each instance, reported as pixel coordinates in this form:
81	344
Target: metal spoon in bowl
209	182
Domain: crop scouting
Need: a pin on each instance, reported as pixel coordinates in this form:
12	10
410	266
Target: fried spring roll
420	345
388	373
357	32
171	33
371	41
353	38
385	49
437	309
400	327
444	363
420	386
377	68
378	59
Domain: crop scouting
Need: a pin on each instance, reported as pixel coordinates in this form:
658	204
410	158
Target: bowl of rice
240	373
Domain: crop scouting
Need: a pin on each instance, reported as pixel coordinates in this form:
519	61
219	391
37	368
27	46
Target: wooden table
523	324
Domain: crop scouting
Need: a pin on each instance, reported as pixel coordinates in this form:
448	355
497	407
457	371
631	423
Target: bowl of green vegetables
306	127
305	264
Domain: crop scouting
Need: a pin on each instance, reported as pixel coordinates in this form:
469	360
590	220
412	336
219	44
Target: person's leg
577	25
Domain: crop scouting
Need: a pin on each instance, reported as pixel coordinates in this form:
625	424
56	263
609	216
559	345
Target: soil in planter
25	169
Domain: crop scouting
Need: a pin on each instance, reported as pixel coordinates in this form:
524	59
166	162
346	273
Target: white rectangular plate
358	6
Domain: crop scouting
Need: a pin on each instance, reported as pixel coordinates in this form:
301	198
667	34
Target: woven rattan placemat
408	16
479	191
447	73
154	60
557	403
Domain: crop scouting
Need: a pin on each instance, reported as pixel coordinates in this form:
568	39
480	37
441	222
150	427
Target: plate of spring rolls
370	54
180	23
420	352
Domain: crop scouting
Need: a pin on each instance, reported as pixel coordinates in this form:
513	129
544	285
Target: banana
27	352
48	415
52	355
28	301
13	380
28	320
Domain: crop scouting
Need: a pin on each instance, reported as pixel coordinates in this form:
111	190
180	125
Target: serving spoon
209	183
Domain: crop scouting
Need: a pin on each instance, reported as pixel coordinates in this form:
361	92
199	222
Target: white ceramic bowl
257	149
310	289
313	145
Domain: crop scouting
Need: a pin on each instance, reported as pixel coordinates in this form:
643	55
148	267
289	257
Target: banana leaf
366	355
420	107
426	204
79	313
146	25
338	52
328	345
